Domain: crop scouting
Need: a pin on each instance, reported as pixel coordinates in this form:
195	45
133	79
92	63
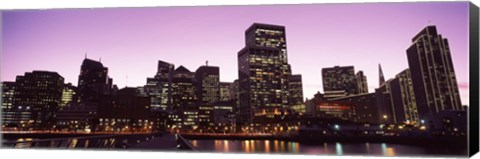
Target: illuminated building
159	88
68	95
39	94
396	100
93	82
339	81
207	80
296	94
225	91
11	115
362	84
263	74
184	100
340	110
205	116
433	75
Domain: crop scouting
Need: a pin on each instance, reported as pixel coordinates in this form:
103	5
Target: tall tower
93	81
208	84
432	72
263	74
159	88
381	78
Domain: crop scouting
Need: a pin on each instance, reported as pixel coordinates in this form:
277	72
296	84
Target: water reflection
339	148
277	146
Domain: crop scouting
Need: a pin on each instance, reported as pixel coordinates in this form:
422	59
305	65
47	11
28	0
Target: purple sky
131	40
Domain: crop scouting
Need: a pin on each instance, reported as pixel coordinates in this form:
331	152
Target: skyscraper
207	80
159	88
183	98
93	82
263	74
361	82
396	100
39	94
339	81
433	75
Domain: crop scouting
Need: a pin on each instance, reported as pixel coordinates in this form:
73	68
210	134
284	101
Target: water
277	146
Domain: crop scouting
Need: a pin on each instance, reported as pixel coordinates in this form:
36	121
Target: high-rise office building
207	80
39	94
296	94
396	100
159	88
93	82
339	81
362	84
433	75
184	99
263	74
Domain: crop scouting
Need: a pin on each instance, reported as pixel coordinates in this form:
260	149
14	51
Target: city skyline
304	39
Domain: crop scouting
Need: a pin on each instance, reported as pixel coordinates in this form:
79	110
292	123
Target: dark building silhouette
433	75
339	81
76	117
207	80
93	82
296	94
159	88
125	111
362	84
381	78
263	74
39	94
364	107
184	99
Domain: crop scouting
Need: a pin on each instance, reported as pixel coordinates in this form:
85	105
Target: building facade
38	94
93	82
296	94
433	75
263	74
362	84
339	81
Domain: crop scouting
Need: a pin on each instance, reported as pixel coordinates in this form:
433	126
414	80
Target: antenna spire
206	63
381	79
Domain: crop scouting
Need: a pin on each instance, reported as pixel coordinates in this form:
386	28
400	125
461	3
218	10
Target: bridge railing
184	143
97	141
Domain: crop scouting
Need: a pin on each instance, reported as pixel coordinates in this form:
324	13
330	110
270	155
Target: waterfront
330	148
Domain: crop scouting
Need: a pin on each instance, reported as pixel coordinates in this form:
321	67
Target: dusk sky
130	41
